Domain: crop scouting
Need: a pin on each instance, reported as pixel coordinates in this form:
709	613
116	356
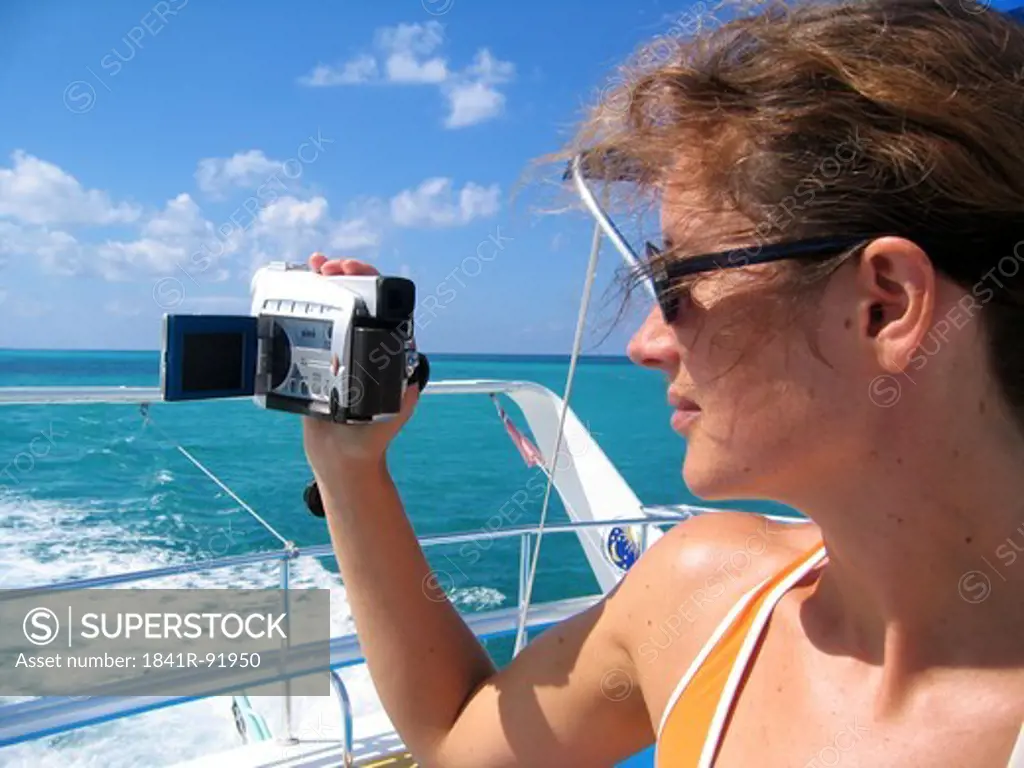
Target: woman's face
762	414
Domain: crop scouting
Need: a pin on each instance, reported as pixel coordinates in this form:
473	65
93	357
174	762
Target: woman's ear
897	297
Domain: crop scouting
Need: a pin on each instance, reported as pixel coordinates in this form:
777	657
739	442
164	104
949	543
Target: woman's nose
655	344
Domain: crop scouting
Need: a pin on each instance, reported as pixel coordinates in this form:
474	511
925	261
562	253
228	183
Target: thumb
411	397
409	401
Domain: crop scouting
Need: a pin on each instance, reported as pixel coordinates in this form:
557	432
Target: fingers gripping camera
336	348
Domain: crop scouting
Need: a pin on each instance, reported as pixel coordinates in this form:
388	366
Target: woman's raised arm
550	707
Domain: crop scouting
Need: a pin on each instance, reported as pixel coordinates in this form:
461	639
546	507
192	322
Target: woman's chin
714	480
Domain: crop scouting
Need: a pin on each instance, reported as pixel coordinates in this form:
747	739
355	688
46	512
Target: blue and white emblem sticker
622	547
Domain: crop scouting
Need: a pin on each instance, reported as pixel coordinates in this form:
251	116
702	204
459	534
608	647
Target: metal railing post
346	719
525	542
287	736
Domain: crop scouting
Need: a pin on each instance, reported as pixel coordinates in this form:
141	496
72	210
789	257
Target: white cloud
361	69
34	191
288	229
26	307
407	47
181	218
216	175
179	238
434	204
287	212
476	201
407	54
354	235
416	39
472	103
118	260
291	229
57	251
121	309
404	68
473	96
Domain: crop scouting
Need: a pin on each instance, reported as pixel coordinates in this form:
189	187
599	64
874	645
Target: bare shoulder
670	602
738	548
739	541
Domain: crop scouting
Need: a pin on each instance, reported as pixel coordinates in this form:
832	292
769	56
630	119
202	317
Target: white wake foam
45	542
41	543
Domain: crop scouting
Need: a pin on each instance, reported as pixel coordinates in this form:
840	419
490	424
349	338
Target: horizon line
474	354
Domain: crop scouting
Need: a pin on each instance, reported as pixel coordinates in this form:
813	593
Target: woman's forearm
424	660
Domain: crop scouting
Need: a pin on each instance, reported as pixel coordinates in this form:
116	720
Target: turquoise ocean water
93	490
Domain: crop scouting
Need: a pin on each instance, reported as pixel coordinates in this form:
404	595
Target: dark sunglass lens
669	307
664	289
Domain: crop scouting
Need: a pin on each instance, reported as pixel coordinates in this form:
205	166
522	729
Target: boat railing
37	718
347	727
83	395
525	533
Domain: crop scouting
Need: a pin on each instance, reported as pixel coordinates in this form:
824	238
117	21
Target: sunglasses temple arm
605	225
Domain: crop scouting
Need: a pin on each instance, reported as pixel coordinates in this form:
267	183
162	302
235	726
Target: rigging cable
581	322
288	545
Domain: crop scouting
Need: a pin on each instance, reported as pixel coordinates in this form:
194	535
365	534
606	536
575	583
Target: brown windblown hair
864	116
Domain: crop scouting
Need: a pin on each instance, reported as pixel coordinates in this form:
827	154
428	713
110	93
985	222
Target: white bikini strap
714	736
1017	758
716	636
709	646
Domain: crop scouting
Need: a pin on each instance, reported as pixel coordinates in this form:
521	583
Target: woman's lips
686	413
683	420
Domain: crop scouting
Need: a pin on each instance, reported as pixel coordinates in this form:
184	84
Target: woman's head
894	125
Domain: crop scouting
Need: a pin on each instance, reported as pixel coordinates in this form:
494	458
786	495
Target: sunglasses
662	278
665	276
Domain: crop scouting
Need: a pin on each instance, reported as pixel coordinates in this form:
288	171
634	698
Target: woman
856	355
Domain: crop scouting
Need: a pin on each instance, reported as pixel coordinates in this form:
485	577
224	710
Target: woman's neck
926	552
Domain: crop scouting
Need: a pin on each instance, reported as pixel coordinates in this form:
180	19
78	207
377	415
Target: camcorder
339	348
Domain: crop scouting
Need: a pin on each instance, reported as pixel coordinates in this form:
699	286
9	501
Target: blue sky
152	154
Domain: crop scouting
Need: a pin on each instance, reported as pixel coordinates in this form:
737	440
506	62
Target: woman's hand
334	449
